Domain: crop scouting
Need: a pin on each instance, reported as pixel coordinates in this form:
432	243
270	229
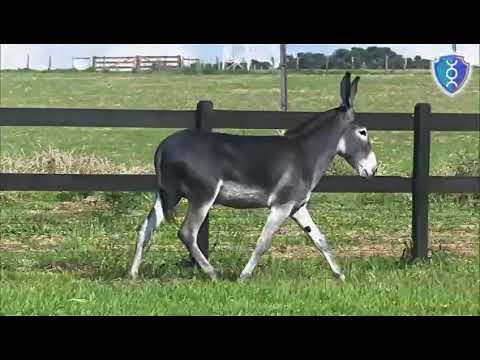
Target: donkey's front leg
302	217
275	219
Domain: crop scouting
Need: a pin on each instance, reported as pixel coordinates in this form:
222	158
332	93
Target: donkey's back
198	145
250	160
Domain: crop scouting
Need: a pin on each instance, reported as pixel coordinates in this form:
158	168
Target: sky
14	56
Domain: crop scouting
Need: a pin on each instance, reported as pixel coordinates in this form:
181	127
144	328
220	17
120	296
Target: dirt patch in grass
85	205
466	249
454	236
45	242
13	246
35	243
301	251
461	240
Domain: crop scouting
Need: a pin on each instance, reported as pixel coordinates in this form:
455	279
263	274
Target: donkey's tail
163	196
167	207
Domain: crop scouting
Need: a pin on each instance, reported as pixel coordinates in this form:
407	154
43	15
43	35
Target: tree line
372	57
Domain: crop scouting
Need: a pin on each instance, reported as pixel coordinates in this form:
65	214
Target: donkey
274	172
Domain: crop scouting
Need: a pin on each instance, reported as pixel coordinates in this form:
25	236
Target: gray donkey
275	172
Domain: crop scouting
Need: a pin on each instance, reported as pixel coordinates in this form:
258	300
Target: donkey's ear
353	90
345	90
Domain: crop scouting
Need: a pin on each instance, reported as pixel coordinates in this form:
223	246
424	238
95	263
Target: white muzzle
368	166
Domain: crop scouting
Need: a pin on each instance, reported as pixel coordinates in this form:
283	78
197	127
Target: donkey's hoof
133	276
340	277
243	277
213	277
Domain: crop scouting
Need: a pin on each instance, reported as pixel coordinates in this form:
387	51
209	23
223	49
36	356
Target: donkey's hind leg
198	208
196	214
154	218
303	219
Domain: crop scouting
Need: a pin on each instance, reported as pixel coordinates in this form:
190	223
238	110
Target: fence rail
220	119
146	183
421	122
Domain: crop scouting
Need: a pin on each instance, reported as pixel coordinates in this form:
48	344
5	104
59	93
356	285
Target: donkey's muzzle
368	174
369	166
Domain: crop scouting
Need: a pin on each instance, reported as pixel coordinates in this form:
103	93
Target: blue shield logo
451	73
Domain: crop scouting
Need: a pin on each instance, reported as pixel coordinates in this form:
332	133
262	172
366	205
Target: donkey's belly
240	196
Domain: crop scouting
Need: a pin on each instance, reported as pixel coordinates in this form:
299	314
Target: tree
396	62
291	62
306	60
359	56
372	57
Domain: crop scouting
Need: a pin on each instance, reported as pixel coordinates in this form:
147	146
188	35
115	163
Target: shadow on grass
228	269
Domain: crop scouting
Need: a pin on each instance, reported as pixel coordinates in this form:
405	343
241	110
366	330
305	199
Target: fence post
137	64
204	108
94	63
420	180
283	78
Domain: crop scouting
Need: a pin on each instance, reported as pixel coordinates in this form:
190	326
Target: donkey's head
354	145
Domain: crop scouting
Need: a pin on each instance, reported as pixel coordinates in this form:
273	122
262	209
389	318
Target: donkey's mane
310	125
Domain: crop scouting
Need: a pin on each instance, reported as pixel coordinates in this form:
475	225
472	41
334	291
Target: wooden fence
422	122
138	63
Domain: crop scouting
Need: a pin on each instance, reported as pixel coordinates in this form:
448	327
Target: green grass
68	253
307	92
376	286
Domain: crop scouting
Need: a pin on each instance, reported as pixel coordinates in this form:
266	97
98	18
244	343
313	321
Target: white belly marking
239	195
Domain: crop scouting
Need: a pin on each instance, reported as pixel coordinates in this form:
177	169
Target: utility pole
283	77
283	80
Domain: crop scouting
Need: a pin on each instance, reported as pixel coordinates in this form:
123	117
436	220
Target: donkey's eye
363	132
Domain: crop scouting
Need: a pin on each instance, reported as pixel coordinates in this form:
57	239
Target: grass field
68	253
